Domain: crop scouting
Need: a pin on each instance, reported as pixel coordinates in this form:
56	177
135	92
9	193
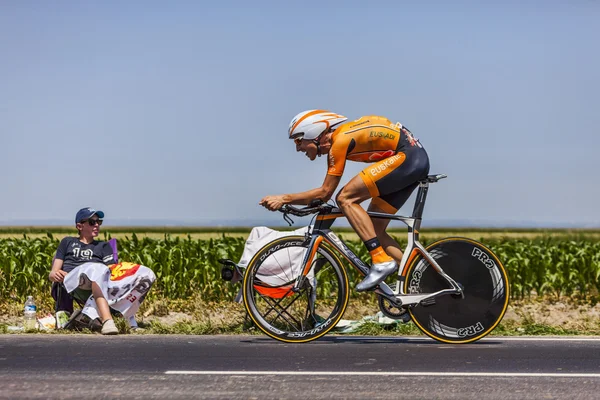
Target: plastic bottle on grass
30	314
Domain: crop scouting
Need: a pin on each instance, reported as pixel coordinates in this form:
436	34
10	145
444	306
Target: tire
286	315
457	319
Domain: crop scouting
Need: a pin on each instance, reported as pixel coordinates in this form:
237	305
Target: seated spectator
83	262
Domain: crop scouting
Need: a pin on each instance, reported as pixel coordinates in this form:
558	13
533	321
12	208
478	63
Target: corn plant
185	266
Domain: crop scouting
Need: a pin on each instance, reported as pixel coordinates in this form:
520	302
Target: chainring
391	311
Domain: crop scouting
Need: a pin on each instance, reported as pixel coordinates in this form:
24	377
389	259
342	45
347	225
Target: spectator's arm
57	274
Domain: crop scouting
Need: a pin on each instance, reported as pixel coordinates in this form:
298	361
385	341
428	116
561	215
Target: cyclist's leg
389	204
366	185
391	188
378	179
390	246
348	200
390	181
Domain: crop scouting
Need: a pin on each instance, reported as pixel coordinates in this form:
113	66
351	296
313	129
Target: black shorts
392	180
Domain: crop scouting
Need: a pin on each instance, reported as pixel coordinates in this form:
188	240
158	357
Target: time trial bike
296	289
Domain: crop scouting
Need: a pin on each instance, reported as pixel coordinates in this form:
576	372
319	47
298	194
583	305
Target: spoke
284	276
276	305
290	264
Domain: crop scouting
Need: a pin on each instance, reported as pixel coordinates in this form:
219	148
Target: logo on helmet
313	123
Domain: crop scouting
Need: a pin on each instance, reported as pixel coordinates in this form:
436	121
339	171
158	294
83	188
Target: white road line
382	373
543	338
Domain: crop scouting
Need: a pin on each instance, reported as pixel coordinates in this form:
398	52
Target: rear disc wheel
479	272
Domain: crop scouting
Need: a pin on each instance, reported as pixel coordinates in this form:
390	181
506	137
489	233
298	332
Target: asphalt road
227	367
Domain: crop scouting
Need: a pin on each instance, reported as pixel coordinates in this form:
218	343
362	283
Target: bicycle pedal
428	302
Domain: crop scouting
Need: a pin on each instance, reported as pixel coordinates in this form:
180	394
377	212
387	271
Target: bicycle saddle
433	178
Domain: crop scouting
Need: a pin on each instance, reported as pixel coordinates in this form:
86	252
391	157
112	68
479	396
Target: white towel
280	268
124	286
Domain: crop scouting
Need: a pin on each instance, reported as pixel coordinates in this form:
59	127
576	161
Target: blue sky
177	112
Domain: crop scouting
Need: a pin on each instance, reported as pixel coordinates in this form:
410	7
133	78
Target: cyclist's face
308	148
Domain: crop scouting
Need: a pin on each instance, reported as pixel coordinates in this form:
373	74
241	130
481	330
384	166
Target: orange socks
378	255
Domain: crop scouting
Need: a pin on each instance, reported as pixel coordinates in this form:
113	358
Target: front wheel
455	318
290	309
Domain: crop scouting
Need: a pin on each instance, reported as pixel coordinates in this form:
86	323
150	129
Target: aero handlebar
312	208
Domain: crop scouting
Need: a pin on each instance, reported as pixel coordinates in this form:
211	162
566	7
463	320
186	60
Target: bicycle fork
307	264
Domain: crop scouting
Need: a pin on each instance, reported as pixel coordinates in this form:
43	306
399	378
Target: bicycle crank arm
413	299
384	290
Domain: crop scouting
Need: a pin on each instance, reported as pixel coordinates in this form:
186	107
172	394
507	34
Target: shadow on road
368	339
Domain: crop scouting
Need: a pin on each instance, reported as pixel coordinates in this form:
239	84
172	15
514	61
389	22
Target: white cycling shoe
376	275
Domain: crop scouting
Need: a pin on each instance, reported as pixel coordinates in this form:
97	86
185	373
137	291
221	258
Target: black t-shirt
74	253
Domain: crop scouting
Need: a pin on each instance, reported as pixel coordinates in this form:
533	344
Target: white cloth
260	236
124	286
279	268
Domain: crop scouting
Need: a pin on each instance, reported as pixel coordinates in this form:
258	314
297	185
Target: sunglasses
298	140
93	222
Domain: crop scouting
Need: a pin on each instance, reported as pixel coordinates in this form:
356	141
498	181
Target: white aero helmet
312	123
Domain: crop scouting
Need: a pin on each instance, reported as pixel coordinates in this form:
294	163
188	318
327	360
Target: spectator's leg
62	298
132	322
101	302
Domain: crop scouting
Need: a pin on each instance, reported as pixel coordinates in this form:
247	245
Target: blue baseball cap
86	213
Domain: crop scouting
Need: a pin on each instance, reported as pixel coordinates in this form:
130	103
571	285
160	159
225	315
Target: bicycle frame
320	231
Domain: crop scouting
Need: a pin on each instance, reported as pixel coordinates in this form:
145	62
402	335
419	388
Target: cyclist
398	160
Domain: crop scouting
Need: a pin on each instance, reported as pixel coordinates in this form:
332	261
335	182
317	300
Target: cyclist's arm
336	160
324	192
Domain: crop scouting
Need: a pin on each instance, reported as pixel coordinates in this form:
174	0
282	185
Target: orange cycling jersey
368	139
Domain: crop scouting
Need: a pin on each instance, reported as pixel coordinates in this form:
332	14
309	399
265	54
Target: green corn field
184	267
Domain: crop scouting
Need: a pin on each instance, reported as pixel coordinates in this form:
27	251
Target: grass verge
534	316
